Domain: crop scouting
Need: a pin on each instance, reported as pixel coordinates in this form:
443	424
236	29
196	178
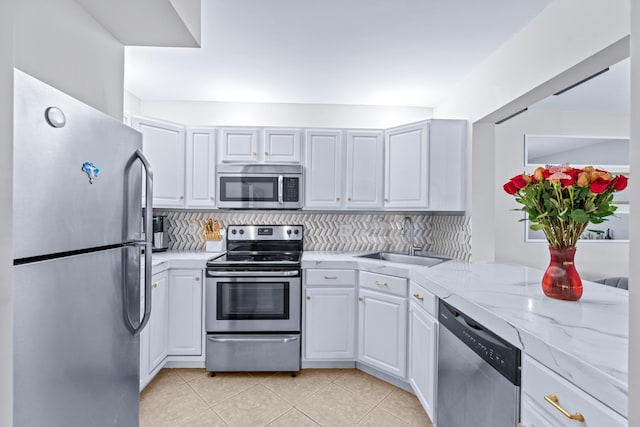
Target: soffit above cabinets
167	23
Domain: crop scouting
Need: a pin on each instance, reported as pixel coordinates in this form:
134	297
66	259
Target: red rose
619	182
546	173
510	188
599	186
568	182
519	181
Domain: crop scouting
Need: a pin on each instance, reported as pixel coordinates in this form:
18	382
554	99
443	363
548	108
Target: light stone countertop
585	342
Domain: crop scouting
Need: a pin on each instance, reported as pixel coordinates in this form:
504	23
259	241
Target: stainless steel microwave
259	186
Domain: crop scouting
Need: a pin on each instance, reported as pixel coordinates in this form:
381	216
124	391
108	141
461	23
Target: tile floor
316	397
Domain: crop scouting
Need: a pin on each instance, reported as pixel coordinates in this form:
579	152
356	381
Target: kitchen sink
424	260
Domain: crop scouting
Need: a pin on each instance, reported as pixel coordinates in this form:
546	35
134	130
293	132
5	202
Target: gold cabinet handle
254	153
197	279
155	285
308	298
386	200
553	400
379	283
349	199
360	299
330	277
418	297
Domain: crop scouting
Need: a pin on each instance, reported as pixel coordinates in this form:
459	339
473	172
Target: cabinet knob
337	199
360	299
181	197
155	285
254	153
266	153
308	298
349	199
418	297
386	200
197	279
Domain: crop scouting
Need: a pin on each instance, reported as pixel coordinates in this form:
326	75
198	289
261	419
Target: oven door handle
286	273
255	339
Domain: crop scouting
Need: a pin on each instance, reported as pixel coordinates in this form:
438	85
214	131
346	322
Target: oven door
253	301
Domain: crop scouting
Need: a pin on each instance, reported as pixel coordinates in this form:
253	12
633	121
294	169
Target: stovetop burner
256	257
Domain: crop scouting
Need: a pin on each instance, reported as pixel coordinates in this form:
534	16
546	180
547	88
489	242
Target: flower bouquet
561	201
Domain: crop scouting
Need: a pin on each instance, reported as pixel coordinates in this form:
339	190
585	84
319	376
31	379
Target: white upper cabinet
281	145
164	146
323	174
252	145
239	144
447	164
200	168
364	169
406	177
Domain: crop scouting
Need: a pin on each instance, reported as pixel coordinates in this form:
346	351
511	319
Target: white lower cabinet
185	313
156	329
545	394
382	324
329	315
423	336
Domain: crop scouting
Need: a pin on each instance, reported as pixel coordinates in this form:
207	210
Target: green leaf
536	227
579	215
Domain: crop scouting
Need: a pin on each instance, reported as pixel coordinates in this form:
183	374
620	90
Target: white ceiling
607	92
361	52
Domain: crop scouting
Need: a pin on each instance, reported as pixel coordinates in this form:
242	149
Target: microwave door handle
280	189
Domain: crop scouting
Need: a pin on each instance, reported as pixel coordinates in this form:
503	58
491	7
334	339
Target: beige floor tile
191	374
170	408
223	386
299	388
365	385
334	405
294	418
207	418
254	407
406	407
163	382
260	376
381	418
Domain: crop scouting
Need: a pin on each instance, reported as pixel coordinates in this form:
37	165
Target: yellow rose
583	180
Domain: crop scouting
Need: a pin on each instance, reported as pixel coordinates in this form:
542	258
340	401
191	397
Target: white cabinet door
281	145
200	168
185	313
239	145
447	165
423	357
382	328
406	160
323	161
158	322
164	146
330	323
364	169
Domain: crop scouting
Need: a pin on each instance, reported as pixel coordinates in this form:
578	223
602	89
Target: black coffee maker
160	233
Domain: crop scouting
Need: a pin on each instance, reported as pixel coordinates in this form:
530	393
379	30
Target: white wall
594	260
6	214
295	115
132	104
634	247
59	43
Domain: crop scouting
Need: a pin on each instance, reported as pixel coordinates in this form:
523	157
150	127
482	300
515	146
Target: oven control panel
265	232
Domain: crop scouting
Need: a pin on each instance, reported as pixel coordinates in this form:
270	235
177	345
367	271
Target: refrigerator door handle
148	236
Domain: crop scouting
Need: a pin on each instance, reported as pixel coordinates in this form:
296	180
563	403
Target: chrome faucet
412	248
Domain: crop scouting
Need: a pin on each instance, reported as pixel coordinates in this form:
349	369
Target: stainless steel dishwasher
478	374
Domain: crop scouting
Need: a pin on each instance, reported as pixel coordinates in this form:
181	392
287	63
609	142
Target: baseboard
328	365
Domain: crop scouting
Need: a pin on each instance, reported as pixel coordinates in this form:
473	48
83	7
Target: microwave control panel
291	190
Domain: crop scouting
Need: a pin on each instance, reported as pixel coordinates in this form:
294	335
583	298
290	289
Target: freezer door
75	359
69	174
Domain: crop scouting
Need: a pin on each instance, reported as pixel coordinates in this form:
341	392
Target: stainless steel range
253	300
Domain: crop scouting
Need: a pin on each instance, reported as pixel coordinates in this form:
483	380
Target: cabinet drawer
383	283
314	276
423	298
539	381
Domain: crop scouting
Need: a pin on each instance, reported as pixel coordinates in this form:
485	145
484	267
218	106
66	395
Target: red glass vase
561	279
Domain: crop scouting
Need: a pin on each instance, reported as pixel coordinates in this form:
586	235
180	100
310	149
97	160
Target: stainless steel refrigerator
79	236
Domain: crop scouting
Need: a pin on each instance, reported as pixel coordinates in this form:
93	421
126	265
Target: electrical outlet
345	230
193	228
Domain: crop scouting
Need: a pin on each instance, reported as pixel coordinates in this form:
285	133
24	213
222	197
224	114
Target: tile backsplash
448	235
